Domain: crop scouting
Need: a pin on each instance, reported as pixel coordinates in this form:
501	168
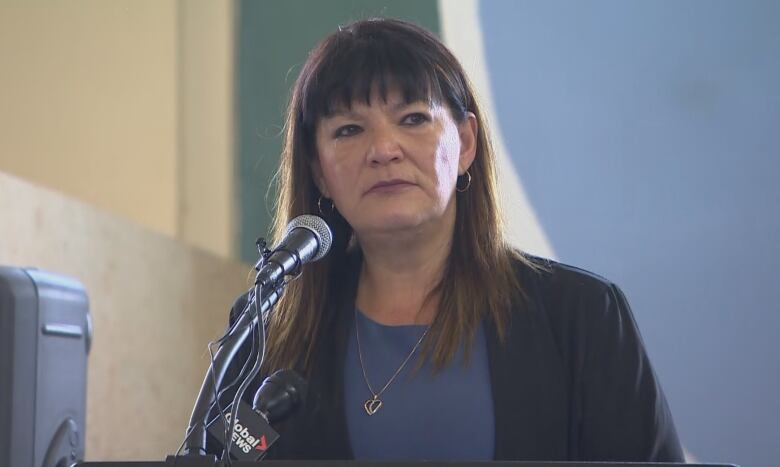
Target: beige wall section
462	33
89	102
207	207
127	105
155	305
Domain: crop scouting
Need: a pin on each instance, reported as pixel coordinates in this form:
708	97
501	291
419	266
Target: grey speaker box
45	336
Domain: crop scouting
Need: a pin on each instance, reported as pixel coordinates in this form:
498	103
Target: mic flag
252	434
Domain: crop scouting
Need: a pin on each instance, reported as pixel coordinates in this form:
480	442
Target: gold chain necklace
373	404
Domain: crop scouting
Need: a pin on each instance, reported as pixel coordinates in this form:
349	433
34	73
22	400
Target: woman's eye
414	119
347	130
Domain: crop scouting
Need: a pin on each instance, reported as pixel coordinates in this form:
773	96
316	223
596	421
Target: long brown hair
479	279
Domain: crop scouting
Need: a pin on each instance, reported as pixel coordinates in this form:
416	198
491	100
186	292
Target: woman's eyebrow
346	113
400	105
394	107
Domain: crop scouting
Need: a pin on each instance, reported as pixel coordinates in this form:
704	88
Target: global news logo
244	439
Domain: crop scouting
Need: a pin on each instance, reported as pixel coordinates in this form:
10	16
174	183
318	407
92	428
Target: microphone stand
194	454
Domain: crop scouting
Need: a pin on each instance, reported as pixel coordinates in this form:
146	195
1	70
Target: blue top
424	416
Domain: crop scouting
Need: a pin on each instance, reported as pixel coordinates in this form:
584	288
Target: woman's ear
319	180
467	130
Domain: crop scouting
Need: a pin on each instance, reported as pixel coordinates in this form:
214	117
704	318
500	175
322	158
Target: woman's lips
389	186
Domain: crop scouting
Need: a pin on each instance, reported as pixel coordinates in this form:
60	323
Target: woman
422	334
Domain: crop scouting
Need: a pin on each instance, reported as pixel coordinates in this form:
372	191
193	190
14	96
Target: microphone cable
259	359
233	382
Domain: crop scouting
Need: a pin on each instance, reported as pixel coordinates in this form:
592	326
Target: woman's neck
399	271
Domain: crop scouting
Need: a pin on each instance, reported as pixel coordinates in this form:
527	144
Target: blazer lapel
323	434
527	379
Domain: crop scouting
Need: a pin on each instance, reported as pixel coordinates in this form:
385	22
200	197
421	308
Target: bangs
359	66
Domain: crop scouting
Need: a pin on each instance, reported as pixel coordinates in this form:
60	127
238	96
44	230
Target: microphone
252	435
279	395
307	238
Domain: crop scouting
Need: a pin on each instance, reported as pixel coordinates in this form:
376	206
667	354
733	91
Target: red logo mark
263	444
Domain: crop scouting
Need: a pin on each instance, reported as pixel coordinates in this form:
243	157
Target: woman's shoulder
553	277
570	298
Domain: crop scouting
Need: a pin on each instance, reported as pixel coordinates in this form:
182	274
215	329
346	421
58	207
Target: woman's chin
394	223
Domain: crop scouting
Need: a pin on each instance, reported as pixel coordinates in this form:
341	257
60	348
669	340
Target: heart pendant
372	406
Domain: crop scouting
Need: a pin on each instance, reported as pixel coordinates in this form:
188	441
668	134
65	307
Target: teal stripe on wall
273	41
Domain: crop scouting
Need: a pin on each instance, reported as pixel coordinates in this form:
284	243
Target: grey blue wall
647	136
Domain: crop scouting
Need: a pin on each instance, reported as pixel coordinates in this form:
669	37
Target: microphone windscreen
280	394
320	229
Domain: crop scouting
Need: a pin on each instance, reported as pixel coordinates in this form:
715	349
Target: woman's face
389	165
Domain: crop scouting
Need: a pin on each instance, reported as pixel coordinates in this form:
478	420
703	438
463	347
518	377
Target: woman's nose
385	147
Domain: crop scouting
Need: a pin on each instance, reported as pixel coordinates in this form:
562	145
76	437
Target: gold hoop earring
468	183
319	206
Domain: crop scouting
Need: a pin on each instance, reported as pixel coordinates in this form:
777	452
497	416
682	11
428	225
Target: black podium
195	462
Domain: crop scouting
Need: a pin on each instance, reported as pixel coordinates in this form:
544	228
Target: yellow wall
127	105
89	93
116	124
207	182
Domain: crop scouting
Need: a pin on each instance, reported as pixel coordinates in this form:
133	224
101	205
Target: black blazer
571	382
